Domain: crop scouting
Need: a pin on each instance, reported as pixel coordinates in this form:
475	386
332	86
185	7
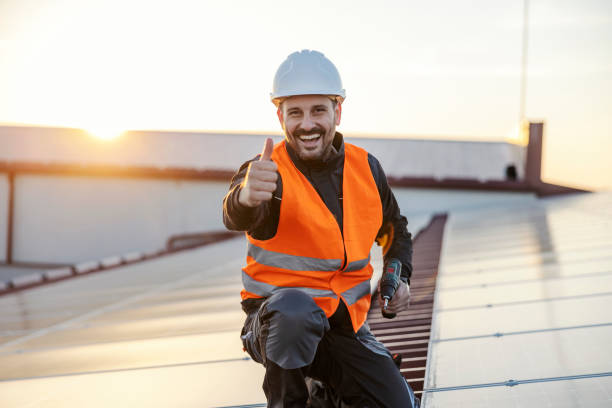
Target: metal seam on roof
504	268
523	302
512	383
97	343
546	278
500	334
119	370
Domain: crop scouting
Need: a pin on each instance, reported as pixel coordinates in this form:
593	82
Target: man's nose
308	123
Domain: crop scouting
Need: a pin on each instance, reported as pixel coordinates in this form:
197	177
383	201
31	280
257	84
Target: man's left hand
400	301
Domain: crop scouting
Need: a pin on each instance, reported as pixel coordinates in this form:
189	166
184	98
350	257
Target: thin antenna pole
524	61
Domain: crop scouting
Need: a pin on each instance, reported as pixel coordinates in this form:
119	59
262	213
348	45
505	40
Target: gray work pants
291	336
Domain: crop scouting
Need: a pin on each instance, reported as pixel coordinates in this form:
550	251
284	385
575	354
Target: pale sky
446	68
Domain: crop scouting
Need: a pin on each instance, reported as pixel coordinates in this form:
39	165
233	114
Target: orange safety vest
309	252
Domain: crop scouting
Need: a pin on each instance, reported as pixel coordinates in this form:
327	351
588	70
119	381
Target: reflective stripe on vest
301	263
309	251
356	292
265	289
357	265
293	262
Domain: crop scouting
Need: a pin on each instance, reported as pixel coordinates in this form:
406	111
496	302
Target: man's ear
338	112
281	118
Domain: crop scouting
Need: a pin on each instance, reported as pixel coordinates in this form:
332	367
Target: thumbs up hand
260	180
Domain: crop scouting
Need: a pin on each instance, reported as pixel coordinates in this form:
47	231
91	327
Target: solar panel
159	333
523	310
522	317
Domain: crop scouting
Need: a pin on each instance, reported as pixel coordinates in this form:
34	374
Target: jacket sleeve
260	222
393	229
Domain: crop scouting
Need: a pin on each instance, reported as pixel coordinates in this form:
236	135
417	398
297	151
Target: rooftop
522	316
523	308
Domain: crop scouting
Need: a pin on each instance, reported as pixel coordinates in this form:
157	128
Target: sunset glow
408	69
105	133
519	134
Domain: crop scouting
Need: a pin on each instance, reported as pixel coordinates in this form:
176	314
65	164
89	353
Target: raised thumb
266	153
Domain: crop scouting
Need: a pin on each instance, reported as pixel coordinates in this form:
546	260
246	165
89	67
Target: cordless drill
389	282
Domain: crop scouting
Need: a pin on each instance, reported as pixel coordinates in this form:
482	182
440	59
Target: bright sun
105	133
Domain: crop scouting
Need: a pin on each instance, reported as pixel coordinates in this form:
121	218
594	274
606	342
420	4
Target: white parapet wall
70	219
60	219
400	157
443	159
4	202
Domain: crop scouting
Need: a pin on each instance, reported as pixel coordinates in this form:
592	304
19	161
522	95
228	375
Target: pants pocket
251	345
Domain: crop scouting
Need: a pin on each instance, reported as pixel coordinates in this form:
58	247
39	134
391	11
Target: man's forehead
306	101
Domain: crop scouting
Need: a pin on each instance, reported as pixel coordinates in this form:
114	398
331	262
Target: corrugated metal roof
523	309
407	335
436	159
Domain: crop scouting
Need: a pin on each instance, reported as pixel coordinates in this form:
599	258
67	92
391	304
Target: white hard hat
306	72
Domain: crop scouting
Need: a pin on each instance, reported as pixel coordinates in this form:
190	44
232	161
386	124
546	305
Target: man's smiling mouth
310	137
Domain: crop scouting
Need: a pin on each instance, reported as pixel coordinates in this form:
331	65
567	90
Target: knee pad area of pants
295	326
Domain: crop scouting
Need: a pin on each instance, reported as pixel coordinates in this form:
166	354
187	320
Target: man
312	207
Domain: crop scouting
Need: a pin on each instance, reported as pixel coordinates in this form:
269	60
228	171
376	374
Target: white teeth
309	137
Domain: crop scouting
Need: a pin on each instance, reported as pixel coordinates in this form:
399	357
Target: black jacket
326	177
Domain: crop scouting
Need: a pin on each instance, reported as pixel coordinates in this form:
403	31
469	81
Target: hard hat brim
340	96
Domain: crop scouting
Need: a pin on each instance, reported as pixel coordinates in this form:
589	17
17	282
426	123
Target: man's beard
303	153
295	136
